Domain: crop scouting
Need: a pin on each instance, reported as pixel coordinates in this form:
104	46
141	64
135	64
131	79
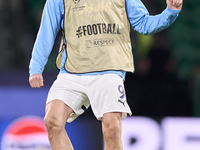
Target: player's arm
49	28
144	23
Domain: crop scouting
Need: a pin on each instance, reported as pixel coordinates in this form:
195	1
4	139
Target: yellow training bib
97	35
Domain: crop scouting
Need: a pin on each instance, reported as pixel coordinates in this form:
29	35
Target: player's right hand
36	81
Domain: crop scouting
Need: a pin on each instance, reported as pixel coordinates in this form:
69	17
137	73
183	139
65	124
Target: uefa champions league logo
76	1
77	6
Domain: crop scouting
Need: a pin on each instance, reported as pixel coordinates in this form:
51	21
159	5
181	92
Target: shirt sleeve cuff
172	12
31	72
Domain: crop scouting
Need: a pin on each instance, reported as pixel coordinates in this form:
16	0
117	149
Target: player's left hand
175	4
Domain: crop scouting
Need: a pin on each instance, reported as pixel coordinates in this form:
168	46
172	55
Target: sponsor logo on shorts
122	102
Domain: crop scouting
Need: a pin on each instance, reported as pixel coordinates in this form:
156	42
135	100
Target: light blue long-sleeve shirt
52	21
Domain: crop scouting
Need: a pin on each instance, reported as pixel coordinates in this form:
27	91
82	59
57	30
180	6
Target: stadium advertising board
25	133
139	133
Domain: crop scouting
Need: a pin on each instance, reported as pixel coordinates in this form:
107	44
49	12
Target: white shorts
105	93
